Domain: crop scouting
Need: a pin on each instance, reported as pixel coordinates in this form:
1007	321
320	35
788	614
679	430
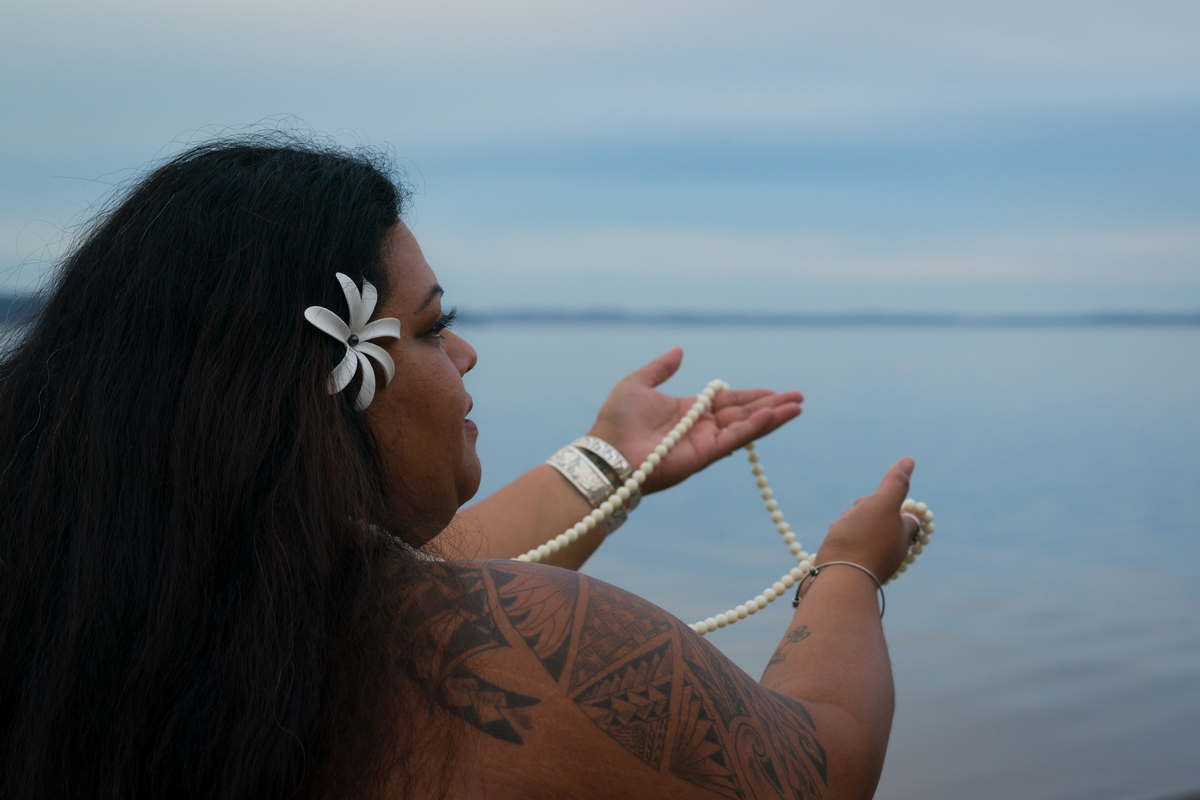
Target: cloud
617	256
457	75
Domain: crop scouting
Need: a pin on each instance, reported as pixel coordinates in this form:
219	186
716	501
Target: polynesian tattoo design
648	682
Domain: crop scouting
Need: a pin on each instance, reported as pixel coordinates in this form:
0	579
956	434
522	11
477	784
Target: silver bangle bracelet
610	457
816	570
609	454
582	474
616	519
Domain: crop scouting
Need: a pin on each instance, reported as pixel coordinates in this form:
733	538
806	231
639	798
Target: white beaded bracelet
804	560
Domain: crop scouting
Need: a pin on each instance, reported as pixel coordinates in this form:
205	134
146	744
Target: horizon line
15	309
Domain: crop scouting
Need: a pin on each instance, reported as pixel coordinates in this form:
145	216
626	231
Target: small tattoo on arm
791	637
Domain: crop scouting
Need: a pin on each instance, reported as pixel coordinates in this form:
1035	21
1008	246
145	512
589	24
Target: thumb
894	486
660	368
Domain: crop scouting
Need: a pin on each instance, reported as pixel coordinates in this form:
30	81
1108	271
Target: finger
894	486
734	413
758	425
659	369
731	398
910	525
859	500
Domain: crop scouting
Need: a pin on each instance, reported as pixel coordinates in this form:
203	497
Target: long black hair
194	591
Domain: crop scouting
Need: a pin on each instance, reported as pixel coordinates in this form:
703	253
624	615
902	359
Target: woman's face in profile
419	419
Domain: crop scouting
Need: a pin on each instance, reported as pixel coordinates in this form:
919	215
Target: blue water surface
1046	643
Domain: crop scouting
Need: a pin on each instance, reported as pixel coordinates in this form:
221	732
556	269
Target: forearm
834	654
532	509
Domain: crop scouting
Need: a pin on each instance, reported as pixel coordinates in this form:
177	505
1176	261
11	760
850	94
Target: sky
1024	156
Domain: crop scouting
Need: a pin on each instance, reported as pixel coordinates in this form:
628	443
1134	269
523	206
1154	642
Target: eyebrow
435	291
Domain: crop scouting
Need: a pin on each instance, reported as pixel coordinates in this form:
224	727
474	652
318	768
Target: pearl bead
523	557
796	572
751	608
769	594
929	528
760	482
543	551
921	508
671	439
692	415
772	505
788	537
639	476
623	493
653	459
740	610
760	601
596	516
767	493
786	581
661	451
795	549
908	505
607	507
553	545
757	471
929	516
573	536
777	516
923	538
752	457
711	623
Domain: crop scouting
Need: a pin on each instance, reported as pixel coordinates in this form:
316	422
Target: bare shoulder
564	685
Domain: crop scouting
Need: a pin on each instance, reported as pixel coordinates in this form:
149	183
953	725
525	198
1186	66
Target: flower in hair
357	336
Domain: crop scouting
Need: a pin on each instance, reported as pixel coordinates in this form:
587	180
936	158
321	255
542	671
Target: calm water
1046	644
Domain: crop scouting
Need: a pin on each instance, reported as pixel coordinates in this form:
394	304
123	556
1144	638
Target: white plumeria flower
356	336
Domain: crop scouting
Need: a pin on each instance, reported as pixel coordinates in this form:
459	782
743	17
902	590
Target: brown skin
553	684
419	418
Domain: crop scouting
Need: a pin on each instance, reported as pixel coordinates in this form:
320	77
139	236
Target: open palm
636	416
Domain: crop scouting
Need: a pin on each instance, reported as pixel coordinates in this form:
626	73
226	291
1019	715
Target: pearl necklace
804	560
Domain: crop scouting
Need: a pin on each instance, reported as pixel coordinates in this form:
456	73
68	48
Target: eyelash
443	322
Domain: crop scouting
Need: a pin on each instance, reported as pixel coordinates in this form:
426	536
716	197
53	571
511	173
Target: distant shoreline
15	309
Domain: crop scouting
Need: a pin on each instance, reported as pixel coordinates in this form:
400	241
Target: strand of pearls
804	560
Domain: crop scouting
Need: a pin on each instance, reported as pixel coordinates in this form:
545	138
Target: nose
465	356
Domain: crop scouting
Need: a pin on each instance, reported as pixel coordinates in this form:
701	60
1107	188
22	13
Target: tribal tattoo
644	679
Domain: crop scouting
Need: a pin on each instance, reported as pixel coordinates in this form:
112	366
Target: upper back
558	685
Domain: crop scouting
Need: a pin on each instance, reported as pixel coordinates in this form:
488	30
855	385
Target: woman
211	581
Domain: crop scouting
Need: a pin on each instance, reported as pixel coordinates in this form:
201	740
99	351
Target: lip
470	426
470	404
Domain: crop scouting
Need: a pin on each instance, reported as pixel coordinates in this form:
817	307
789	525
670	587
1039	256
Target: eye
444	321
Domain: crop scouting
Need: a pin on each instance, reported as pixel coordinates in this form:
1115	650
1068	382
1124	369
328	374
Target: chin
469	490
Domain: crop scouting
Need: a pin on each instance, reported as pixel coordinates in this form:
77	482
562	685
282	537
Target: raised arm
541	503
834	651
561	685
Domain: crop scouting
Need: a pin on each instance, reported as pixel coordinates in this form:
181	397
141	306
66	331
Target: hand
872	533
636	417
